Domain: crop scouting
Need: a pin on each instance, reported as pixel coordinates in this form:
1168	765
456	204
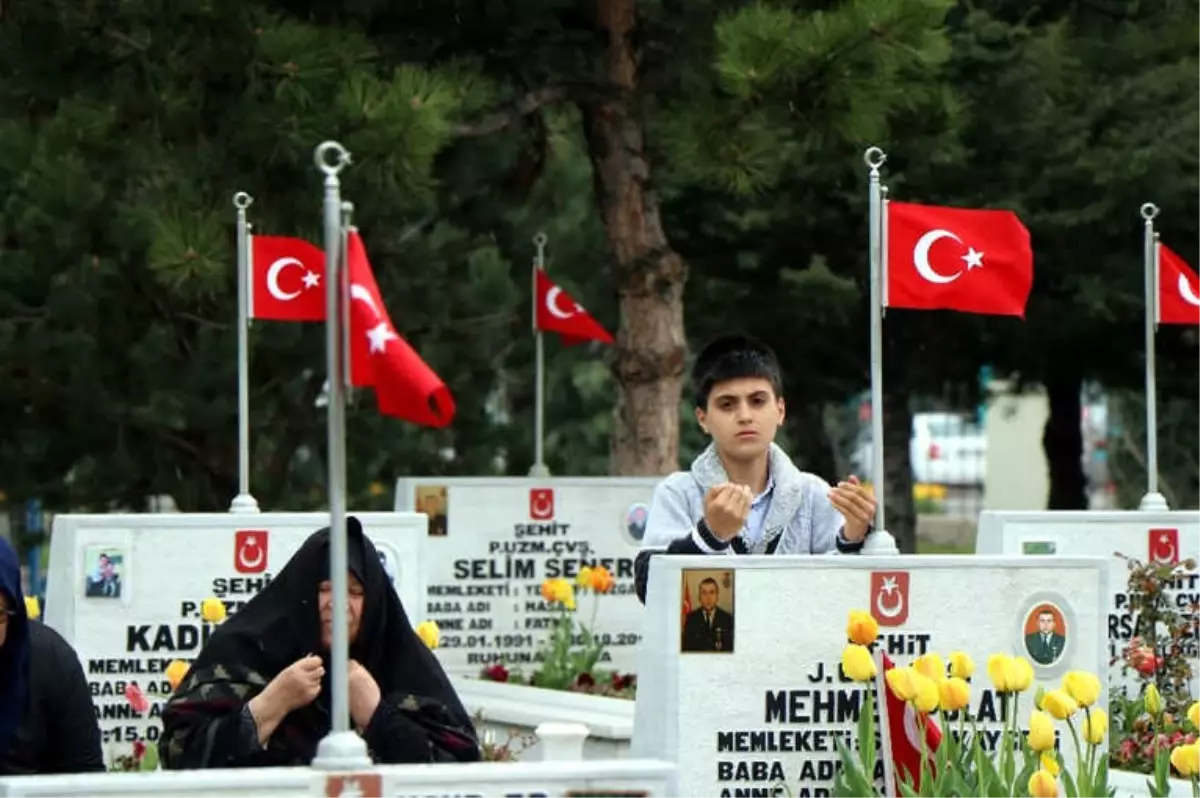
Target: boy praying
743	494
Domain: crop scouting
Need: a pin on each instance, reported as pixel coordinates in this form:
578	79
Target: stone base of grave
512	709
1130	785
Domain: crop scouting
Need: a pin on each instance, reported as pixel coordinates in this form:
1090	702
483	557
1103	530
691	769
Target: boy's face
742	416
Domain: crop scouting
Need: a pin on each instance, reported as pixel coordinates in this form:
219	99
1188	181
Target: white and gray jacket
799	520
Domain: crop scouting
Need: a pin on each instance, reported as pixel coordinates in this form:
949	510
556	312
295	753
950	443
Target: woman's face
353	610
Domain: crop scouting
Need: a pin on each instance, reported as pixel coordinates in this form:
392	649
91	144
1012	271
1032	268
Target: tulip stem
1083	787
1091	754
1016	702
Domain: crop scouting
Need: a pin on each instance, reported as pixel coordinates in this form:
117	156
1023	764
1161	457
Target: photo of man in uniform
1046	641
709	627
432	500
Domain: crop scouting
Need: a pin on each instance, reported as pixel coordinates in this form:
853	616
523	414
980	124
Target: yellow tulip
559	590
862	628
900	681
1042	784
1022	676
429	633
926	698
1153	699
1041	731
1049	763
1095	726
584	577
931	666
1186	759
858	663
953	693
32	608
175	672
1194	714
961	664
1059	704
1007	673
212	610
1082	686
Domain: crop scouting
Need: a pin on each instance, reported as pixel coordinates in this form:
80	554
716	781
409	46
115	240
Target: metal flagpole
1153	500
880	541
347	220
244	502
539	402
341	749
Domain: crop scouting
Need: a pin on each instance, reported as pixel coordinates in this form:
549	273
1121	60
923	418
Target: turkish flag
405	387
557	312
1178	290
287	281
904	732
973	261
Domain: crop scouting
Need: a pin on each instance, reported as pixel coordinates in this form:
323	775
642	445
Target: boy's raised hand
726	507
856	503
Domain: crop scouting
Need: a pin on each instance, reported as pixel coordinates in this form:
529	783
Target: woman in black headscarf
47	723
259	693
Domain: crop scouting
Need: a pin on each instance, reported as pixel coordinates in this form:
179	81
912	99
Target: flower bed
1026	761
568	660
1155	721
566	686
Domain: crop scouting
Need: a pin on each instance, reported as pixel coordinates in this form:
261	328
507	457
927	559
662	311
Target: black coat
699	636
57	732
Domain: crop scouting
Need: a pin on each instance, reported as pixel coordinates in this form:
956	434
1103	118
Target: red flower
139	749
136	698
496	673
623	681
585	681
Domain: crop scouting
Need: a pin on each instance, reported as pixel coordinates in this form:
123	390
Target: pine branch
499	120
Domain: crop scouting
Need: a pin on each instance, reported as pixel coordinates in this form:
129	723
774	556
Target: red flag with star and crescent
557	312
905	727
973	261
405	387
1178	289
287	280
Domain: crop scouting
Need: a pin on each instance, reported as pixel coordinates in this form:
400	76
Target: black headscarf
281	625
14	654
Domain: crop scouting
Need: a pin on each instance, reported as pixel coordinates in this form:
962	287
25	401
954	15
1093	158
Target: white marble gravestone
766	709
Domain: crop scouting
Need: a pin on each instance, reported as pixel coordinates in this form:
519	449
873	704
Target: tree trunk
1062	440
649	276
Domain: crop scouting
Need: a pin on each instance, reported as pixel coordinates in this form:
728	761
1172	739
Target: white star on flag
974	258
379	336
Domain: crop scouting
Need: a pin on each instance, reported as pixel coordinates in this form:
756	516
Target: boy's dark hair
731	357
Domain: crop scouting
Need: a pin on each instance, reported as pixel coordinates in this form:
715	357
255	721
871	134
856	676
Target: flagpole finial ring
341	157
1149	211
539	240
874	157
242	200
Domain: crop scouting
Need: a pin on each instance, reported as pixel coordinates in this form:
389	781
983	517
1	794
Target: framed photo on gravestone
434	502
708	619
